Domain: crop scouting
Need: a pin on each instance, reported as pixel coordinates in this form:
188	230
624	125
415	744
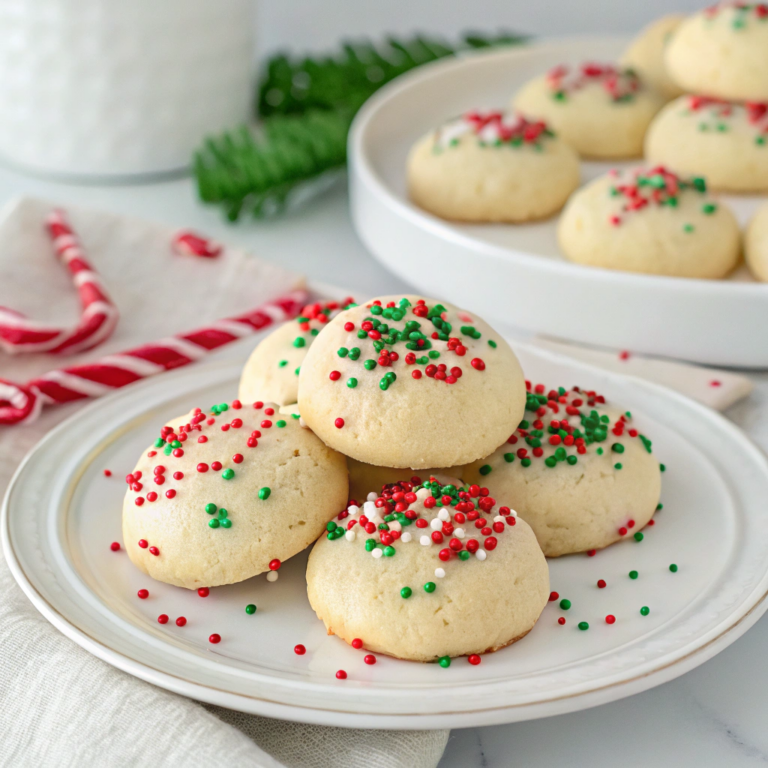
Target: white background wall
317	25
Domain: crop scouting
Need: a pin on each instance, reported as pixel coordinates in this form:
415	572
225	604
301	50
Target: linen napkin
59	705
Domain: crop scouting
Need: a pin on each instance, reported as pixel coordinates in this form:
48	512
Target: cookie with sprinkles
428	572
756	244
724	141
365	479
577	470
272	371
601	110
224	492
653	221
645	55
408	382
488	166
722	51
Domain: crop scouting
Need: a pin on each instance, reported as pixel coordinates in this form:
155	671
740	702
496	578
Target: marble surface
713	716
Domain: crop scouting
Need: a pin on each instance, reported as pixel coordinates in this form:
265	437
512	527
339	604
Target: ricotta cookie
651	221
722	52
645	55
365	479
432	572
756	244
491	167
407	382
579	473
226	495
600	110
726	142
272	371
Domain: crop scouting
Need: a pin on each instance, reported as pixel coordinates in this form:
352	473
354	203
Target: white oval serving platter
515	273
61	514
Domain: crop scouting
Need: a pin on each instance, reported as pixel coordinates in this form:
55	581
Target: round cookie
411	383
365	479
488	167
756	244
645	55
431	585
272	371
600	110
579	473
726	142
221	495
722	51
650	221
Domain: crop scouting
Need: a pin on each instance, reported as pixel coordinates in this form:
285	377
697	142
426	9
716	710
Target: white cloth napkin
59	705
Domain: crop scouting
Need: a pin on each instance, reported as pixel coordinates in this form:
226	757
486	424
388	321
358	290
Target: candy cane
22	403
99	317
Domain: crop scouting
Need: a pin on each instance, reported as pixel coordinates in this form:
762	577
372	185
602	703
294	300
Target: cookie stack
462	473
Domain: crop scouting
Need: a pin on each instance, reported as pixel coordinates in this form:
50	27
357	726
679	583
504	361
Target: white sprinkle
459	533
395	526
353	509
406	537
439	573
481	554
303	423
422	494
444	515
272	576
425	541
498	519
369	508
350	535
377	553
513	513
436	524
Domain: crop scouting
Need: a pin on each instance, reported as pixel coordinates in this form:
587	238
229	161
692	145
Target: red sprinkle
553	596
162	618
477	364
203	591
339	423
357	643
341	674
601	584
274	565
610	619
181	621
143	594
369	659
334	375
154	551
299	650
143	543
115	546
561	621
473	659
214	638
592	552
107	473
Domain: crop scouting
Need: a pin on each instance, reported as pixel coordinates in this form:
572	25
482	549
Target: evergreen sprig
306	107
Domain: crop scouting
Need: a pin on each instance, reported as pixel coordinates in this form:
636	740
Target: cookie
722	52
272	371
652	221
756	244
726	142
577	471
366	479
601	110
220	496
407	382
645	55
426	582
491	167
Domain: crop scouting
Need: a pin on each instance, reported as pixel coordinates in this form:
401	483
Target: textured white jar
94	88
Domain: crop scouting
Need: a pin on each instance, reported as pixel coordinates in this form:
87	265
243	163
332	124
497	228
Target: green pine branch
306	107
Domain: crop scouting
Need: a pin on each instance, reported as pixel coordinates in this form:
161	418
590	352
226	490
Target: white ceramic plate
515	272
61	514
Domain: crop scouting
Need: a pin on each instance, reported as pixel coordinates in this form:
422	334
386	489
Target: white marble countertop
713	716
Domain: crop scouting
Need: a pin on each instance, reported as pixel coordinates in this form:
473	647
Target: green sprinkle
280	423
565	604
464	555
299	342
352	382
550	461
617	448
572	460
250	609
492	344
663	467
282	364
708	208
354	353
342	352
486	469
225	523
223	513
211	508
369	365
430	586
509	457
526	462
633	574
445	662
213	523
659	507
639	536
389	551
406	592
159	443
434	354
370	545
228	474
618	466
264	493
331	526
688	227
297	370
673	568
645	610
760	140
583	625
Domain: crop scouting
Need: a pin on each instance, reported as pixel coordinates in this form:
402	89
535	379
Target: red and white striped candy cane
99	317
21	404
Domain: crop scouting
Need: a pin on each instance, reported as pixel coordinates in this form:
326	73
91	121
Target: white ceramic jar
96	88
